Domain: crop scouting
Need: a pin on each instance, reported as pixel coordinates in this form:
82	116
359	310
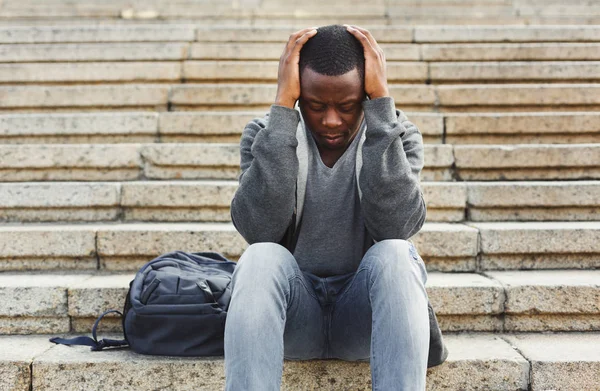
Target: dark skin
331	105
332	109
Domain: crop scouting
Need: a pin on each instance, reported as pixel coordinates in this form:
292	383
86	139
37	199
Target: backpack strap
93	342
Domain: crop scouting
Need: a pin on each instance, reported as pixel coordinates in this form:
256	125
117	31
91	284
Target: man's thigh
304	335
350	331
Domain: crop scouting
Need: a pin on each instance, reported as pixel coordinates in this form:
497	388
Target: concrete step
529	162
560	361
93	162
257	71
209	201
216	96
83	52
167	127
544	51
512	301
521	361
444	246
148	32
227	126
522	128
175	161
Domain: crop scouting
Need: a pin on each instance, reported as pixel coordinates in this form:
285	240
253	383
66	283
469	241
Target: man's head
332	68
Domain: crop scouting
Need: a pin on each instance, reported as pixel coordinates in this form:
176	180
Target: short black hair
333	51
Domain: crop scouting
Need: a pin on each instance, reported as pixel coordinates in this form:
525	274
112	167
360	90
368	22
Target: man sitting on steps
328	197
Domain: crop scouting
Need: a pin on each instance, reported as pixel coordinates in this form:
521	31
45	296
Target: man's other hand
375	78
288	76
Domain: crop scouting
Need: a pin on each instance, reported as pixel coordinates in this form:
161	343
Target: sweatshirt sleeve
263	205
392	201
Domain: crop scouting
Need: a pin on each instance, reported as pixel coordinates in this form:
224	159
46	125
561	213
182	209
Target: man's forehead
346	87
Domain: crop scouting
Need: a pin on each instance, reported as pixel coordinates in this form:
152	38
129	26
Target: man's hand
288	77
375	79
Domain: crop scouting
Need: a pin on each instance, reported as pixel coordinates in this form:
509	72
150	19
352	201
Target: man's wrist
286	102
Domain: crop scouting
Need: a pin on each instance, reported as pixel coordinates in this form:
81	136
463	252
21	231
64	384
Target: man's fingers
359	31
362	38
302	40
295	36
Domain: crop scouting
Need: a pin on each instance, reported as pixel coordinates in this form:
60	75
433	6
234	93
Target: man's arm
392	201
264	202
263	205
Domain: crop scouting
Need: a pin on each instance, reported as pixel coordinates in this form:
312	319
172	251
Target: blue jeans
377	314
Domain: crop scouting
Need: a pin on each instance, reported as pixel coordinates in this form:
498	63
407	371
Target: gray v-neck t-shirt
332	238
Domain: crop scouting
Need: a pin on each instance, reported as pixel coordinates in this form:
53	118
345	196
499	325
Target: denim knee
392	256
266	258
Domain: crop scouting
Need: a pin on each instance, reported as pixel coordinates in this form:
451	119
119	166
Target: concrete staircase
119	131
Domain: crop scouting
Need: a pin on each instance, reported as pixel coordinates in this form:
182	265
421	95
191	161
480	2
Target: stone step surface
187	32
256	71
227	126
189	161
507	301
240	51
233	96
476	361
209	201
472	246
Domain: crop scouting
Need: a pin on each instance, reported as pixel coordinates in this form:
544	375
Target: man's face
332	107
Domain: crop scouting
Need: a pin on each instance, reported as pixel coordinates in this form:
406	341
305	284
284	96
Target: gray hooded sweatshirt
392	206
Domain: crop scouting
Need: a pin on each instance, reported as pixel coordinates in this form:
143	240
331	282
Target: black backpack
176	306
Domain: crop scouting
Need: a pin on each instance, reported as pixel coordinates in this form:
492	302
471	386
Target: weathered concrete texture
500	162
472	323
35	295
47	241
98	33
531	238
93	296
518	94
123	370
230	70
464	293
522	70
447	247
104	124
69	162
551	291
74	52
117	243
108	325
479	362
511	51
522	123
475	362
273	50
191	161
551	322
16	355
281	34
59	201
445	201
438	163
543	245
34	325
90	72
205	123
542	201
83	96
561	361
222	94
178	201
507	33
